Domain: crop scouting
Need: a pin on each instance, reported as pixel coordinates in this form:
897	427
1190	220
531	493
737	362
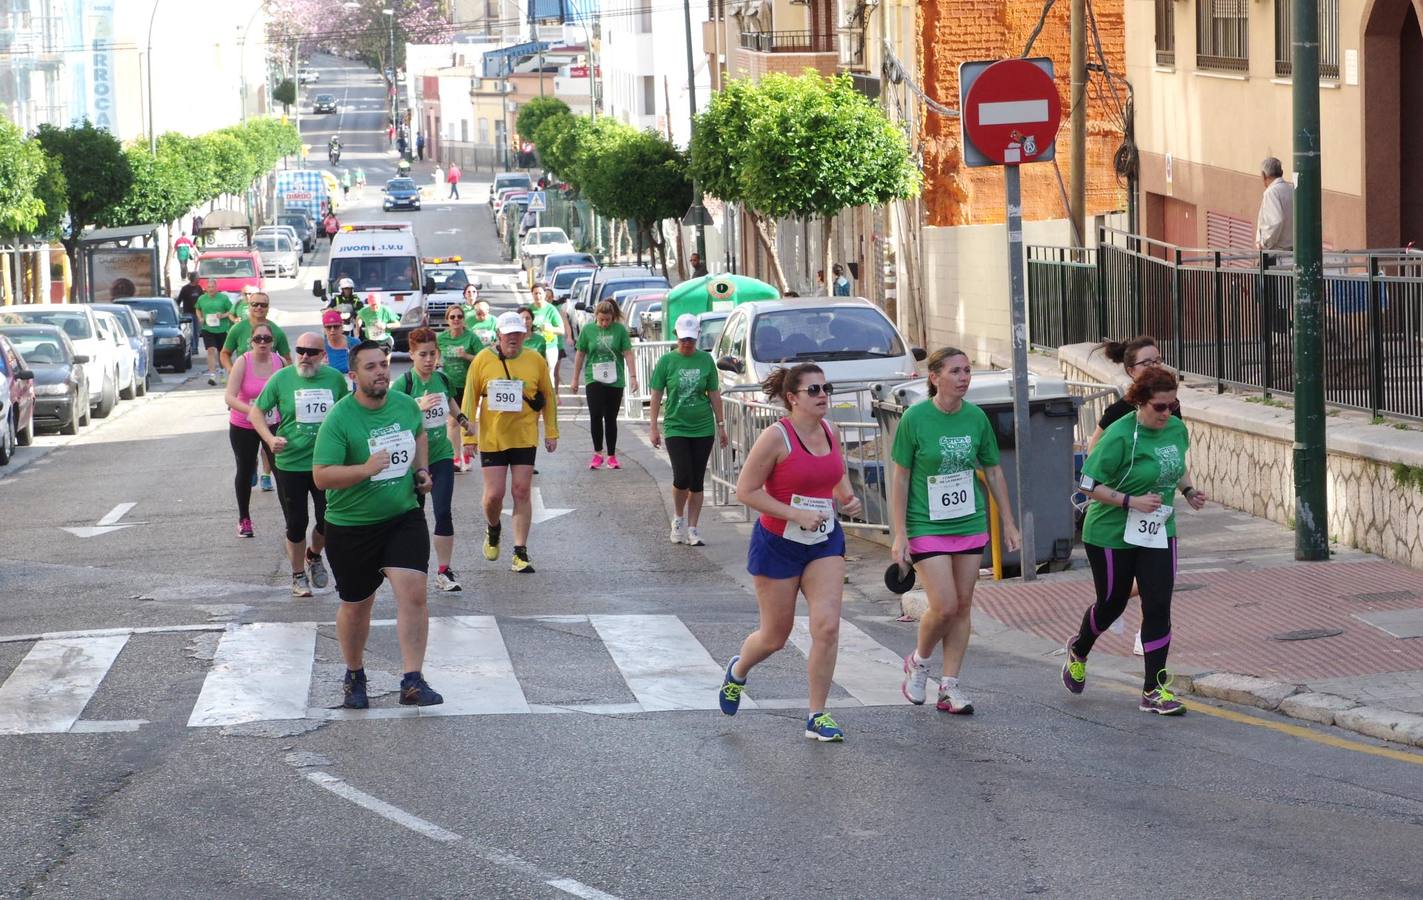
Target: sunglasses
815	390
261	338
330	326
257	305
309	351
1164	407
1149	363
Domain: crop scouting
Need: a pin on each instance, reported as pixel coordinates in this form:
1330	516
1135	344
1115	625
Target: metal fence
1228	315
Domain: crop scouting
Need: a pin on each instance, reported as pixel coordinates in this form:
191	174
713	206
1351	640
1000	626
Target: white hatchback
95	335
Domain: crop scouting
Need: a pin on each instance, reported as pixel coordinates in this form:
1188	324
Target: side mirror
81	359
919	354
318	289
581	306
430	285
731	364
25	375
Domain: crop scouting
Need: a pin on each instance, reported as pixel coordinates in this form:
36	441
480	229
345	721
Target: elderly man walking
1275	227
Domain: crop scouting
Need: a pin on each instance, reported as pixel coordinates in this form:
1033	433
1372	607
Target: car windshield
298	223
545	236
325	98
74	324
378	274
226	267
610	288
163	313
507	181
711	330
400	184
40	349
453	279
273	243
824	333
567	277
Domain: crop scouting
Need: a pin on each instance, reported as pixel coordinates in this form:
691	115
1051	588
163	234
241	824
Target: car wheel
26	436
85	417
141	385
7	441
109	399
72	426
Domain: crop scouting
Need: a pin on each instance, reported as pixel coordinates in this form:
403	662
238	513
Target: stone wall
1242	455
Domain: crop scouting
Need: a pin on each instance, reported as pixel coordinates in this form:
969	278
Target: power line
898	74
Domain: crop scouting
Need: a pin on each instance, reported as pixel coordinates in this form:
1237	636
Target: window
1328	38
1223	35
484	131
1165	32
649	95
464	130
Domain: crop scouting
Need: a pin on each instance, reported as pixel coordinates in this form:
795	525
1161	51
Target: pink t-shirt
251	386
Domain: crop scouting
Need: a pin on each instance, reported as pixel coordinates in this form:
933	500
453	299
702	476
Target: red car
19	403
233	268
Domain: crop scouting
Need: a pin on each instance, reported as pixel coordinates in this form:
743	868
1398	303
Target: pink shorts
928	545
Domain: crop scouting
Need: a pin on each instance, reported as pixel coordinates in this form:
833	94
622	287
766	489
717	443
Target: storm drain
1306	634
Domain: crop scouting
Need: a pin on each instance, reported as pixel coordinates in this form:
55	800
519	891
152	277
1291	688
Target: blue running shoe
417	692
820	727
353	687
730	694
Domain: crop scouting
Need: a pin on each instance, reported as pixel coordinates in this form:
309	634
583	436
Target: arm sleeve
902	451
230	342
659	376
584	345
472	389
988	454
624	341
330	449
1106	461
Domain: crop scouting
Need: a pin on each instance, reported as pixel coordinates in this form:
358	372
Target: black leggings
245	444
604	400
442	492
1155	574
689	457
294	488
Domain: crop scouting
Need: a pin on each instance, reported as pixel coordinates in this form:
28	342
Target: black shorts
971	551
359	554
213	340
514	456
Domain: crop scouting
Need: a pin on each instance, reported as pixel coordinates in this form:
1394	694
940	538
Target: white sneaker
1137	648
916	676
679	531
212	378
447	581
953	700
694	538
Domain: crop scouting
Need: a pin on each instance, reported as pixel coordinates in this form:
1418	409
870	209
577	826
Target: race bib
273	417
435	415
312	405
376	331
951	496
506	395
401	445
1147	529
823	505
212	320
605	372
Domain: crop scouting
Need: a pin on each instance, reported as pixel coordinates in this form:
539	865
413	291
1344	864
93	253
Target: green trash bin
699	295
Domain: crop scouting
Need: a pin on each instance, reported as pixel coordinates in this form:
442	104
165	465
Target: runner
250	372
239	306
458	346
187	300
939	517
338	349
688	378
794	476
477	318
1130	531
238	341
215	316
434	392
550	327
535	339
606	346
302	394
508	388
370	460
374	321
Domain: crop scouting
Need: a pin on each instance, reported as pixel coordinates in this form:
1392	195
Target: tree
535	112
285	94
557	139
636	175
363	31
96	176
231	163
22	165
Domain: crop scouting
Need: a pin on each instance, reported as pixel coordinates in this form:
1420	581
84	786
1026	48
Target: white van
382	258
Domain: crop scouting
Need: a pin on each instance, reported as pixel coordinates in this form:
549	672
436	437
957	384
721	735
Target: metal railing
1165	32
788	42
1328	38
1223	35
645	354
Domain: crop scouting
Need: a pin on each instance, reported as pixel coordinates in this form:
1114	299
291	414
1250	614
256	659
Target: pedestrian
458	347
507	390
400	144
329	226
302	395
389	132
438	177
1275	224
370	458
197	228
549	323
360	181
333	336
250	372
841	285
215	312
435	393
603	362
1130	531
255	309
699	268
794	476
183	248
939	518
187	301
420	145
345	183
685	384
453	177
375	321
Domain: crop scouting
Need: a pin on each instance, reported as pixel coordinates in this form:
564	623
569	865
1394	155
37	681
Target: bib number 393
435	415
823	505
401	446
506	395
951	496
1147	529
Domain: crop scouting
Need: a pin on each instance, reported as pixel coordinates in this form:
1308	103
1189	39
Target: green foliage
558	140
285	93
160	191
53	191
22	164
97	174
719	142
533	113
635	175
231	164
1408	476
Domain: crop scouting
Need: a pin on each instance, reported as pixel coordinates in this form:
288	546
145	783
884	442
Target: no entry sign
1010	110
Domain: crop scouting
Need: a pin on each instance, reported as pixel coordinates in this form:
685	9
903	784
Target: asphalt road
593	781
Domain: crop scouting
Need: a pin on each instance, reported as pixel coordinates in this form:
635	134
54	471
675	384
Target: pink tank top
251	386
802	472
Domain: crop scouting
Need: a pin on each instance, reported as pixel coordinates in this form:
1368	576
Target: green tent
699	295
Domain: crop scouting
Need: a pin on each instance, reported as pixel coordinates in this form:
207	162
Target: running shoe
613	462
730	694
266	482
953	700
916	678
417	692
1162	700
521	562
316	573
823	728
353	688
447	580
491	544
596	462
679	531
244	528
212	378
301	587
1074	671
694	537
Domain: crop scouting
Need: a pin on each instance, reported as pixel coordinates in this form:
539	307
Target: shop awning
499	63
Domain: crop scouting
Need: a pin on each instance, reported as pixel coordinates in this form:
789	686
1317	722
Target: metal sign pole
1022	421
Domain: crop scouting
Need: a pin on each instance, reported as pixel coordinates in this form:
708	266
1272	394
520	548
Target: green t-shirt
217	305
184	251
456	366
436	434
239	308
535	342
604	345
1134	461
301	415
684	382
374	321
239	339
349	435
483	328
948	448
548	321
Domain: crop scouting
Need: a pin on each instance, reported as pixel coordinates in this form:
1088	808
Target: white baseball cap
510	323
689	327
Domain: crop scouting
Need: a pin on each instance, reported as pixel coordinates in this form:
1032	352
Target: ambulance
382	258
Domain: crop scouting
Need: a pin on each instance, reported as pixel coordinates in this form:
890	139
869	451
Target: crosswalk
267	672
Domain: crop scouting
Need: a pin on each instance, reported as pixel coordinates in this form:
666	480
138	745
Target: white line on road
50	687
467	658
864	667
118	512
107	632
261	672
663	663
579	889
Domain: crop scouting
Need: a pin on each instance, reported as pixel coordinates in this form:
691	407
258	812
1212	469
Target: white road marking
664	665
261	672
109	522
579	889
864	667
118	512
378	806
50	687
106	632
467	662
541	513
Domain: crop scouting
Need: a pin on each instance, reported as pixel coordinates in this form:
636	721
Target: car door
732	344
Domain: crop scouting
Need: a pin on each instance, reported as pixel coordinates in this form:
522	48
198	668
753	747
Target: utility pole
1311	496
697	214
300	155
1078	175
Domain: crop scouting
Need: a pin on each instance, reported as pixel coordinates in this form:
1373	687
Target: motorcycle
334	154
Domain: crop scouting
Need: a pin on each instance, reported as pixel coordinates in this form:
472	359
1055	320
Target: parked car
605	274
170	335
279	254
138	342
111	331
637	307
61	391
450	279
323	103
561	279
401	193
712	323
105	355
233	267
303	226
18	425
290	233
504	196
504	180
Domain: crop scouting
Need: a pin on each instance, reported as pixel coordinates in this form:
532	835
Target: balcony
787	42
790	52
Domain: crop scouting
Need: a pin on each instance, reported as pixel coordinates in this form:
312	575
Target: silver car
279	256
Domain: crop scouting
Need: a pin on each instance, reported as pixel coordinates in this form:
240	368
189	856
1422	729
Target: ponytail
781	383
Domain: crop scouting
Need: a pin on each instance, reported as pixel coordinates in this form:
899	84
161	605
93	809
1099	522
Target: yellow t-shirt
506	430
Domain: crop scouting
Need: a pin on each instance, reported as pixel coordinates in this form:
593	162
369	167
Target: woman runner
249	375
607	350
939	515
338	351
685	384
794	476
458	347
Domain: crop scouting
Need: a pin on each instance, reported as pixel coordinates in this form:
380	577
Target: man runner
214	319
376	321
239	336
304	394
370	459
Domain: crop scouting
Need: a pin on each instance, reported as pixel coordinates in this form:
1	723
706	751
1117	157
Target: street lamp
696	213
152	120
